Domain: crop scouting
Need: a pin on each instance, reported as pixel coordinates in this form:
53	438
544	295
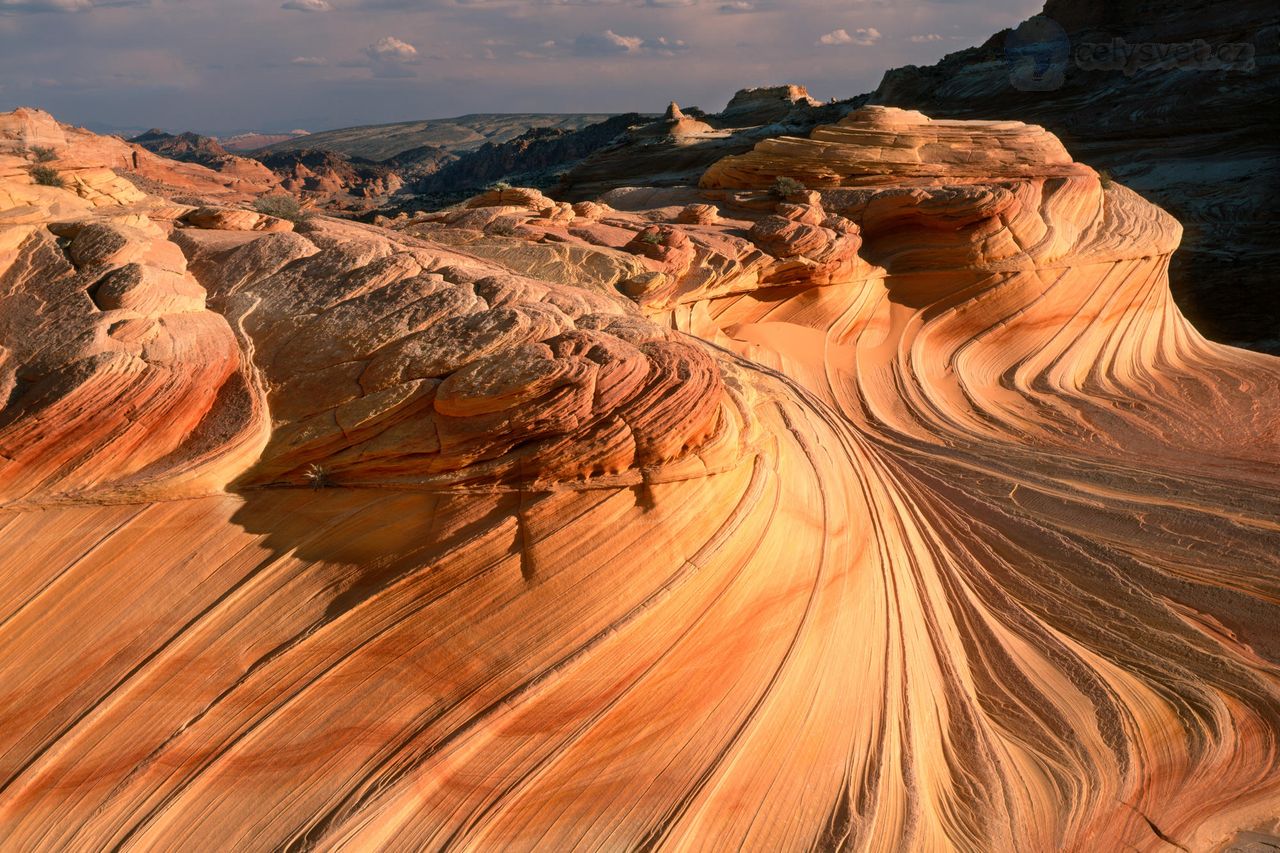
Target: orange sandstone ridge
893	509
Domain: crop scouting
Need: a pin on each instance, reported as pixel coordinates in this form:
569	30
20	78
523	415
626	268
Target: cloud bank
223	66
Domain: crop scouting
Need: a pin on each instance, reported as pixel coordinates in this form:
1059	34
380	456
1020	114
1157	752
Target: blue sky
218	66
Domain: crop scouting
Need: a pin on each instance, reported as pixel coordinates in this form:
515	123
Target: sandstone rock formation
903	511
194	148
1196	135
88	158
675	124
767	105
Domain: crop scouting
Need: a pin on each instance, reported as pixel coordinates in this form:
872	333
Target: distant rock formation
252	141
892	505
674	124
194	148
675	150
188	147
767	104
536	157
380	142
332	175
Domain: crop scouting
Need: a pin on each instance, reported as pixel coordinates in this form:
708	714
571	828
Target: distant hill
382	141
252	141
188	147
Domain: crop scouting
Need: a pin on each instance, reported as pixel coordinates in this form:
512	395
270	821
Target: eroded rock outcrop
1177	100
94	160
767	105
891	506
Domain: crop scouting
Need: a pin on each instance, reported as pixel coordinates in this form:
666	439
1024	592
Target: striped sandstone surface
899	512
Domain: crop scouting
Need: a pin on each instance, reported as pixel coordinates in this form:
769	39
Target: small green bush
656	238
784	186
500	185
1104	178
46	176
42	154
281	207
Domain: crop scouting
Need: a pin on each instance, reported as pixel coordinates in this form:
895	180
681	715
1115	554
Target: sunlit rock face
103	169
895	508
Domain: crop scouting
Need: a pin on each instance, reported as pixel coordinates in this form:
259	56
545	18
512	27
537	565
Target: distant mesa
382	141
767	104
246	142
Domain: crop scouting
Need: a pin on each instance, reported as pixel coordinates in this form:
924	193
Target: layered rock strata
902	510
1177	100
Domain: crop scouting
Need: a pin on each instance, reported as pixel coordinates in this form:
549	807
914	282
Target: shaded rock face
419	161
333	175
900	511
1196	135
538	155
382	141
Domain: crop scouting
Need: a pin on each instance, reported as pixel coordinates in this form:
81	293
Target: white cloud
665	46
737	7
308	60
391	49
926	38
307	5
626	44
610	43
390	56
862	35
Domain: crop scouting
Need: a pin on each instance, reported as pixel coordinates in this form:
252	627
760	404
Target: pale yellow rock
232	219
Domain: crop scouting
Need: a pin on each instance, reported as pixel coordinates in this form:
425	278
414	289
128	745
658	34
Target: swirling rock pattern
1198	142
903	513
